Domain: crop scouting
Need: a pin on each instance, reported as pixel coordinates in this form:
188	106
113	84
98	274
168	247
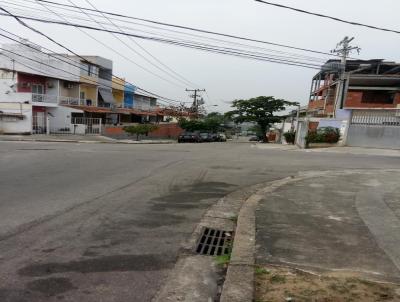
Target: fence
376	117
74	126
375	129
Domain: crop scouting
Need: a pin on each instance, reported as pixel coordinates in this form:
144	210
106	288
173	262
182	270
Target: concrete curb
239	280
195	277
88	142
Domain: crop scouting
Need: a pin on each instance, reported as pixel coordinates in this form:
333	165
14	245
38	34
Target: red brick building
368	84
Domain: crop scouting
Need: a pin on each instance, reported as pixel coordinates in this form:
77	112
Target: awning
106	95
92	109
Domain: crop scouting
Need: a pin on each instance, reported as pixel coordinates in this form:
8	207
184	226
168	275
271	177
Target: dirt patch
285	284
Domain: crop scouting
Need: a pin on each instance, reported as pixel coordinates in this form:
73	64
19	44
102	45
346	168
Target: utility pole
195	96
343	49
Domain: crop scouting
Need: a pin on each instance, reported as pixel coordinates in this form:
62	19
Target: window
83	95
85	69
89	70
378	97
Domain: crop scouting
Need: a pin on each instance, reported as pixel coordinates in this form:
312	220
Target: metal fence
74	126
376	117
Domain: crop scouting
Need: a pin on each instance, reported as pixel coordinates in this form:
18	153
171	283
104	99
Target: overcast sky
228	78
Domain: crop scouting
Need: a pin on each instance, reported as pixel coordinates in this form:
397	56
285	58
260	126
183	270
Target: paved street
104	222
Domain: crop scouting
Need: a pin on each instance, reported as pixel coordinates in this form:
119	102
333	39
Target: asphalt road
104	222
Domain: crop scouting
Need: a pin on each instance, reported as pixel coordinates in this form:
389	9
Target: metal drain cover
214	242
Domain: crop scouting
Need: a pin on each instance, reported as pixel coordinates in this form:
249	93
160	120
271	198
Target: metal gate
374	129
86	125
43	124
39	123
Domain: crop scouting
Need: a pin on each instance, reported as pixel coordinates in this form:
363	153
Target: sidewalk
356	150
342	150
81	139
327	235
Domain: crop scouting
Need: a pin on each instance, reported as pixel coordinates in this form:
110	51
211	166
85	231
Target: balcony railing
45	98
62	100
65	100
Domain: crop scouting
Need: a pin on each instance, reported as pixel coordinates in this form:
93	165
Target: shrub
323	135
141	129
290	137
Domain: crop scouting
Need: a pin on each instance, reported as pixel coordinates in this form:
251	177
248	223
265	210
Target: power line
113	50
214	49
145	50
79	56
136	52
328	17
173	31
192	29
214	39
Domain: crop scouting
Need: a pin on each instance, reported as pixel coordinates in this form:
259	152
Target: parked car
254	139
206	137
189	137
221	137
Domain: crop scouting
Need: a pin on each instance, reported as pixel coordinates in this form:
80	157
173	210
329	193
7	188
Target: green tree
191	125
260	110
140	129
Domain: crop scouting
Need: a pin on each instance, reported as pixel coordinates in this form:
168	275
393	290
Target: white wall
8	90
60	117
22	55
16	126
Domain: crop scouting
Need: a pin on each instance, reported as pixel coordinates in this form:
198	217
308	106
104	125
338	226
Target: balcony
55	99
71	101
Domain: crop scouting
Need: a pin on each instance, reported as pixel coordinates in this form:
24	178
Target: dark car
254	139
206	137
189	137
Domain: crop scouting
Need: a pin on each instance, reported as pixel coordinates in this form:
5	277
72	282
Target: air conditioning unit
50	85
68	85
25	85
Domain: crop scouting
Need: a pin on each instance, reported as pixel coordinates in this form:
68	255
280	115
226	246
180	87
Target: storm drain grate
214	242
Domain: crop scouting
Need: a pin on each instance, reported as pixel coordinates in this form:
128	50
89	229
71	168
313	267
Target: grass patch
234	218
277	279
223	259
259	271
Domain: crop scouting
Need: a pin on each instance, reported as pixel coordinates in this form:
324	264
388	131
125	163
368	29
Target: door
39	122
37	93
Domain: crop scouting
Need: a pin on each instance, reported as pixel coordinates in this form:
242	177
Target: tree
141	129
259	110
213	122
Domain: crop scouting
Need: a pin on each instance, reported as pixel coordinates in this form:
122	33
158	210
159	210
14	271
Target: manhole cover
214	242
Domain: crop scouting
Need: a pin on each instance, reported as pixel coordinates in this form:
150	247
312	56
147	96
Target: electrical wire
177	43
193	29
82	58
177	75
328	17
115	51
289	55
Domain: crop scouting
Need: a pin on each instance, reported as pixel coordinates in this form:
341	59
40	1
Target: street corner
338	222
